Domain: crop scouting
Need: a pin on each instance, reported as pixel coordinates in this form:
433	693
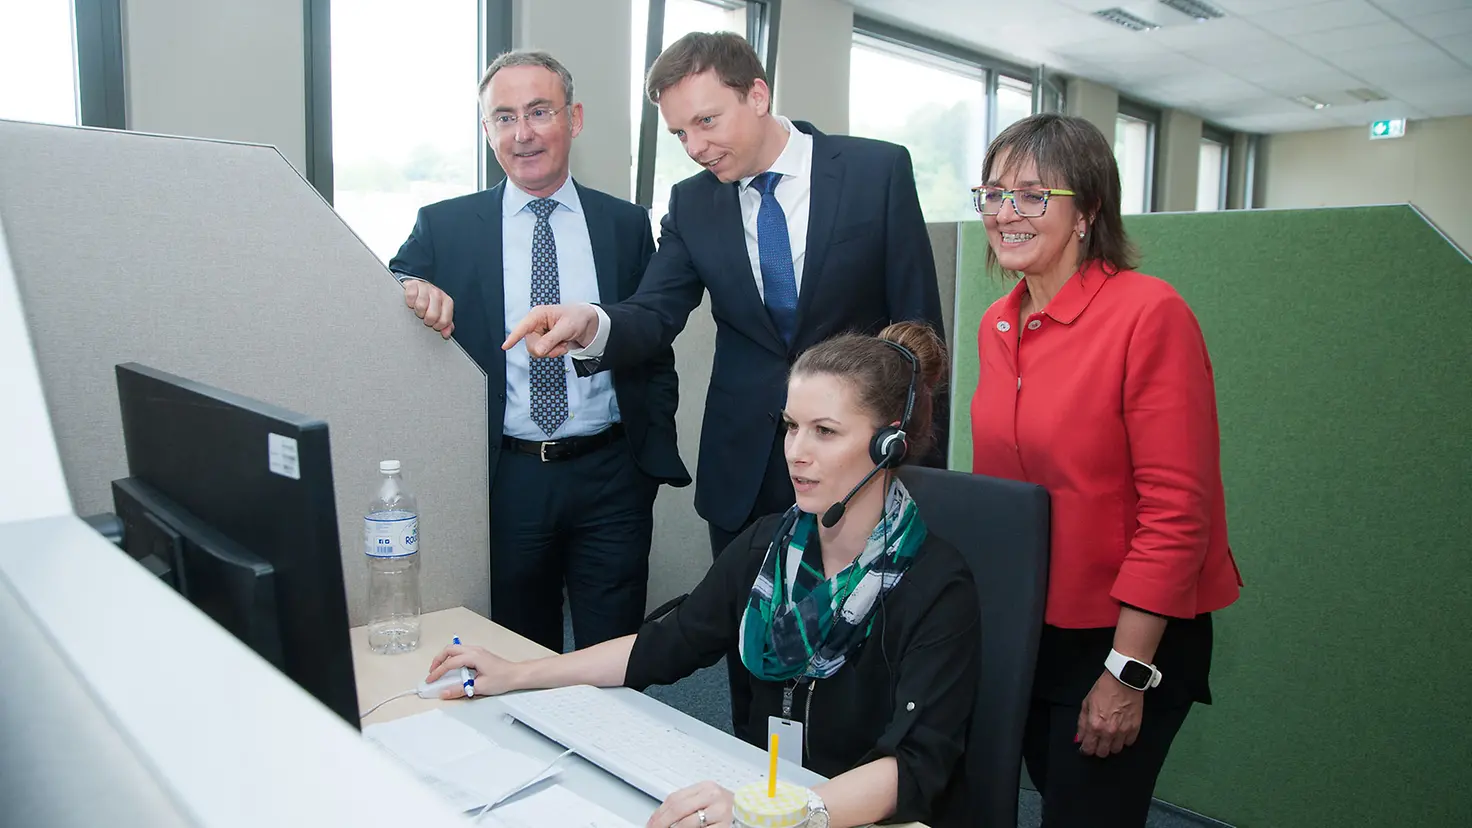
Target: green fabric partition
1342	383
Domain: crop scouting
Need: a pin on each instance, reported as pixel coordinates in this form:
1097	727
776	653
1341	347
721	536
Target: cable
518	788
386	701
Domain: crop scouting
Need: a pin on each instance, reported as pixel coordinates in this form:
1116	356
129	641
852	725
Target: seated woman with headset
863	605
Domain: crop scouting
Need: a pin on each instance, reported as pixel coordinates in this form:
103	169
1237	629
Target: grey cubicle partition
218	262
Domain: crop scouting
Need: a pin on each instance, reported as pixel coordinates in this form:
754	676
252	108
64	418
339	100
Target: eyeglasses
538	117
1030	202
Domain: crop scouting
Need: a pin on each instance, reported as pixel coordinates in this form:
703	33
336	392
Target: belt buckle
542	450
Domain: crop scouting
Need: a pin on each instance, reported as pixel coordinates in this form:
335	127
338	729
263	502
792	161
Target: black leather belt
551	451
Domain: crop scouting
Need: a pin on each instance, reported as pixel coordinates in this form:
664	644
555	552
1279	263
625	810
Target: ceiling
1241	71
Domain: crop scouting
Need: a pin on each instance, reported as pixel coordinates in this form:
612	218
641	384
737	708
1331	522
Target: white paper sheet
553	806
455	759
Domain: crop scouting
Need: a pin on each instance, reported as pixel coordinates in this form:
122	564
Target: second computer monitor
231	500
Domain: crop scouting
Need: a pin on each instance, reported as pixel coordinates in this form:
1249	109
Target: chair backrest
1001	528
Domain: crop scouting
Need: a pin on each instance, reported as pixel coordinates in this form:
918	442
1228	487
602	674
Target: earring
1080	234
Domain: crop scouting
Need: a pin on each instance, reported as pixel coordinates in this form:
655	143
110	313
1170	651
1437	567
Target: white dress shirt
591	403
794	193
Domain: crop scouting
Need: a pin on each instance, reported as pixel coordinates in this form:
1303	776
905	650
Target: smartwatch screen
1136	675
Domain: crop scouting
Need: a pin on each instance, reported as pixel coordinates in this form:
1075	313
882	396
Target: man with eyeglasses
797	236
574	462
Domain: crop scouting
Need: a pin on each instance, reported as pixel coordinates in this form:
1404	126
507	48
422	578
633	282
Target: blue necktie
548	374
779	277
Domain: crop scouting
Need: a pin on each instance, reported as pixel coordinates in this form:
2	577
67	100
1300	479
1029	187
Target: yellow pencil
772	769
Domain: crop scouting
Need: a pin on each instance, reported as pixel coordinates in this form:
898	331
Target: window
1134	151
405	122
934	107
38	61
1211	176
1014	102
671	164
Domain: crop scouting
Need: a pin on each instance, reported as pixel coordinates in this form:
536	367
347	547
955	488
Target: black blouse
907	692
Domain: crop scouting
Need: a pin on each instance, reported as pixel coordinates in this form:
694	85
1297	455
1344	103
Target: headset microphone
835	512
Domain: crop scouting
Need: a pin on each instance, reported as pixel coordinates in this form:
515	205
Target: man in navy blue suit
575	461
797	235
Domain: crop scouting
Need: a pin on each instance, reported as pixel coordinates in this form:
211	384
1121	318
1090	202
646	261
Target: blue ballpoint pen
466	679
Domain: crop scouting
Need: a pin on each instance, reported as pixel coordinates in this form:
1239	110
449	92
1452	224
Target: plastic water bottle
391	543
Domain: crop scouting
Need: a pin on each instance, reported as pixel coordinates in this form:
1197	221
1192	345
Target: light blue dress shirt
591	403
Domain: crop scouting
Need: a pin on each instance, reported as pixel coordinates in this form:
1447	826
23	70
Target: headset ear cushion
888	447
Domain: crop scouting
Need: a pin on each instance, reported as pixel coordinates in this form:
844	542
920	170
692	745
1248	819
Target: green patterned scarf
803	624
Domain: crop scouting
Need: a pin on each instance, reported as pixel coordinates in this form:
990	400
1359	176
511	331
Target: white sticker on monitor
282	457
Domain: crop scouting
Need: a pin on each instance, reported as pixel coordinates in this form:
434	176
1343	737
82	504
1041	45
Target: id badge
789	739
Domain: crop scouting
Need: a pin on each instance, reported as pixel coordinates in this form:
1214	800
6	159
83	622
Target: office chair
1001	529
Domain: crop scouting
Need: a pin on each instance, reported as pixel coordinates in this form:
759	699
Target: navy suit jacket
456	245
868	264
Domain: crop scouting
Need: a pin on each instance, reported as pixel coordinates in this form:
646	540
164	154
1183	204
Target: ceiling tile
1110	44
1246	7
1401	9
1367	113
1320	17
1373	36
1443	24
1459	46
1409	62
1187	37
1326	86
1273	60
1427	94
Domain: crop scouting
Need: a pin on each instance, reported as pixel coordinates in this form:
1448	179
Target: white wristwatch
817	812
1132	673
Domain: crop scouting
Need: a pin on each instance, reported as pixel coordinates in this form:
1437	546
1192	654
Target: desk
382	676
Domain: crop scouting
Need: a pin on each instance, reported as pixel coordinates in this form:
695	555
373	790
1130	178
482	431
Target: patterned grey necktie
548	374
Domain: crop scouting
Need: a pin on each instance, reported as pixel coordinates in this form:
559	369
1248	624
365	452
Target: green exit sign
1390	128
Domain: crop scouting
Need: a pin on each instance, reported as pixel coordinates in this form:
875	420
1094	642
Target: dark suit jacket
456	245
868	263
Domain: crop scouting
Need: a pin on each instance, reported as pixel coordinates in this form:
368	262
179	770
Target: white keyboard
655	757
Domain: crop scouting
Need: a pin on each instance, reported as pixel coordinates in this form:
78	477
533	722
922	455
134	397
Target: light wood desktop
380	677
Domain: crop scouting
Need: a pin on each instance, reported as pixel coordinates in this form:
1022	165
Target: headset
890	444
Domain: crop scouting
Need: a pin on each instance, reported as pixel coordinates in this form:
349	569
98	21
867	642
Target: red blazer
1107	402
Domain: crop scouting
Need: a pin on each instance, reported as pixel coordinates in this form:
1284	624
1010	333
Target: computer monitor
230	501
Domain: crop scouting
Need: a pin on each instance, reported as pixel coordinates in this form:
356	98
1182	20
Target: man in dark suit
797	235
575	462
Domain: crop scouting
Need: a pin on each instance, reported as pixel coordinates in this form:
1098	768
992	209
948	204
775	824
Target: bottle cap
389	467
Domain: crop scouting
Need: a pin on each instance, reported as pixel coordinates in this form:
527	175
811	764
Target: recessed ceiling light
1311	103
1120	17
1367	95
1197	9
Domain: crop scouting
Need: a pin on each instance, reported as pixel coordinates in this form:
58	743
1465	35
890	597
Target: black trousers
774	496
583	524
1088	792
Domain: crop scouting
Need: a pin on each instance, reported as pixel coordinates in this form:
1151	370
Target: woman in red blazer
1095	383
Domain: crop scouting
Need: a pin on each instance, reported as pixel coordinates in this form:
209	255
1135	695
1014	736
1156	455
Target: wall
1093	102
218	70
1179	166
1429	168
589	38
812	62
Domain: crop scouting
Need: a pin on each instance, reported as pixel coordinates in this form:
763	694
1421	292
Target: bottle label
390	534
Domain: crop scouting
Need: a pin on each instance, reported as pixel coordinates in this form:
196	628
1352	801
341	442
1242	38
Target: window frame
993	68
1151	117
495	37
1223	139
98	29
